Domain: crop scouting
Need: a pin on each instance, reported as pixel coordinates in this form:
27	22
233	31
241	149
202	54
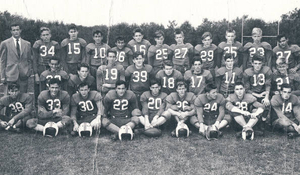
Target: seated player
96	52
86	106
120	109
197	78
210	109
228	75
54	71
291	53
168	77
83	75
108	74
18	108
261	48
53	106
159	52
245	109
124	54
183	53
180	104
286	111
153	106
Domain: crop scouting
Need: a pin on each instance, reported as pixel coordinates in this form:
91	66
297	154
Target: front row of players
118	111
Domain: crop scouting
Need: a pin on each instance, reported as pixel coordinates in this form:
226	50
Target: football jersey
257	82
47	75
168	82
142	47
139	79
109	74
154	103
207	55
44	51
85	106
124	56
235	48
278	79
117	106
73	50
157	55
22	104
181	103
96	54
197	82
50	103
285	106
248	103
226	79
290	54
264	49
74	81
181	54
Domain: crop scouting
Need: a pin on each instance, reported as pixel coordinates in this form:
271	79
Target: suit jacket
13	67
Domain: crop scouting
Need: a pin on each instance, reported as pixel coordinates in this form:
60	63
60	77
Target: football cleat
182	130
212	133
248	133
50	129
85	130
125	132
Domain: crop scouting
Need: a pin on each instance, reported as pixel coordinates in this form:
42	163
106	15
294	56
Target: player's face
229	63
97	38
120	44
239	90
121	90
138	37
256	38
257	65
83	72
54	89
84	91
197	66
286	93
230	37
283	43
159	41
73	34
181	91
282	68
111	57
168	70
213	94
54	65
13	93
15	31
138	61
179	38
46	36
207	41
155	88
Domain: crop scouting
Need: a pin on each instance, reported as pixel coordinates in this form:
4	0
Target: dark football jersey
44	51
124	56
208	55
181	54
197	82
109	75
285	106
22	104
157	55
264	49
235	48
47	75
278	79
96	54
290	55
210	106
74	81
248	103
142	47
50	103
73	50
168	82
154	103
181	103
227	78
257	82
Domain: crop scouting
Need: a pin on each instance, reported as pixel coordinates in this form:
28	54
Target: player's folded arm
27	110
221	113
199	110
277	108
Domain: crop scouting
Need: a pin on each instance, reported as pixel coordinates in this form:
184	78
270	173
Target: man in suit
15	57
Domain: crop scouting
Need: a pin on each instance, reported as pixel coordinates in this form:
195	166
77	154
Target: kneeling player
240	104
287	109
211	111
120	110
18	108
53	107
86	108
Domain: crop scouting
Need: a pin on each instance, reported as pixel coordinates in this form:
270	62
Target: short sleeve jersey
124	56
181	54
47	75
15	106
210	106
45	51
252	48
109	75
256	82
235	48
168	81
229	78
154	102
208	55
142	47
50	103
74	49
197	82
157	54
279	79
290	54
97	53
247	103
286	106
181	103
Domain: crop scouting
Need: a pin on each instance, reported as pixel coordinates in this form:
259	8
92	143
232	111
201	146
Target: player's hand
201	129
293	70
96	123
266	101
148	125
184	116
187	108
106	85
58	112
217	123
37	78
246	113
3	124
76	126
11	122
253	115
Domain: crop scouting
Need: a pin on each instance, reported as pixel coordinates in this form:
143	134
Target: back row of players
188	83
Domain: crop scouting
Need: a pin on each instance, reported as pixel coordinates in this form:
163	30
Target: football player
108	74
18	108
54	71
53	106
197	78
183	53
96	52
120	108
286	108
291	53
138	44
168	77
153	106
86	106
124	54
72	50
228	75
262	48
159	52
244	108
81	76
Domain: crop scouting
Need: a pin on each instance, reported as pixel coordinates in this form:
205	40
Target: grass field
31	153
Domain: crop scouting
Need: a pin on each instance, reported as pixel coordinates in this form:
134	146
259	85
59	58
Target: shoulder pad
90	46
220	71
82	42
222	45
189	45
266	45
64	42
295	48
248	45
213	46
172	47
276	48
64	74
37	44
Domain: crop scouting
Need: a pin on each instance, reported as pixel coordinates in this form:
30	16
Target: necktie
18	47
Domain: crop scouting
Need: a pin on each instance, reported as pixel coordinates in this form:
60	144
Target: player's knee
31	123
227	118
105	122
136	112
66	120
193	120
282	122
167	115
135	120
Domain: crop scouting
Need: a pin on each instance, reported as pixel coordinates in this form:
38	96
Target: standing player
197	78
159	52
138	44
72	50
96	52
53	106
124	54
168	77
18	108
183	53
109	74
86	106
